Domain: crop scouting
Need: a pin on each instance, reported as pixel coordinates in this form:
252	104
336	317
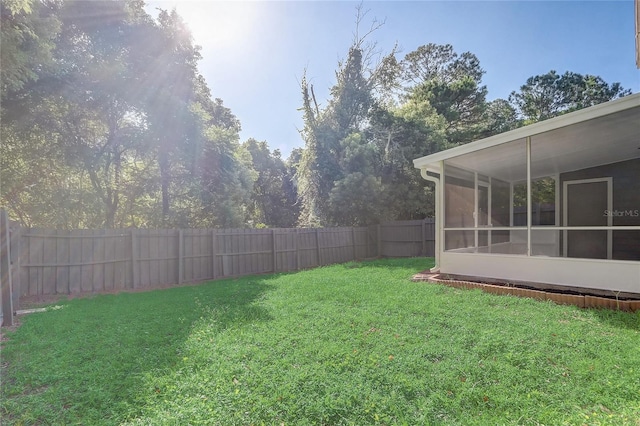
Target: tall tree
326	132
317	167
452	84
273	203
355	197
27	30
221	167
401	134
333	139
549	95
81	103
499	117
130	132
170	80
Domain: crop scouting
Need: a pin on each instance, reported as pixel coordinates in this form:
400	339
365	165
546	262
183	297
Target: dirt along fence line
46	262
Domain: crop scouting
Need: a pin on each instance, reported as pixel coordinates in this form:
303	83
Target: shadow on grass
89	360
98	360
233	302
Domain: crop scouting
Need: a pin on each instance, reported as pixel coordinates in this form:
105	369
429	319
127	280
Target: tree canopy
129	131
551	94
357	166
107	121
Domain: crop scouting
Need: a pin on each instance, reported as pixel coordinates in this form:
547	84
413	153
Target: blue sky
255	53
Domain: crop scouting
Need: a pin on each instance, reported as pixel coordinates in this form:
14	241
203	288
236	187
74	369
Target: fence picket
134	259
62	259
181	255
214	259
63	262
16	269
98	254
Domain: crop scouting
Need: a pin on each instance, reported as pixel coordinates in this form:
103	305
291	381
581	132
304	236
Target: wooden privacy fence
48	262
409	238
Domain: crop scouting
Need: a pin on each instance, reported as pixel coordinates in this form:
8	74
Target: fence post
353	240
225	269
273	250
295	247
379	242
6	295
180	256
16	250
134	260
424	236
213	253
318	247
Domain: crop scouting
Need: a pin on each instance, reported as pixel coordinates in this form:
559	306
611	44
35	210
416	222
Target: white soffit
507	162
604	140
603	134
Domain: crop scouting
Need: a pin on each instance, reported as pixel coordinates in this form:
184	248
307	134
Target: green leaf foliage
107	121
115	127
549	95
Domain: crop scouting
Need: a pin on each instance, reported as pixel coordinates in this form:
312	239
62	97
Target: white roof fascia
433	168
432	162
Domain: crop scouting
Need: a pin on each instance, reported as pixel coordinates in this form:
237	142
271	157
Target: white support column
610	218
557	213
529	209
510	204
475	210
489	222
439	213
556	177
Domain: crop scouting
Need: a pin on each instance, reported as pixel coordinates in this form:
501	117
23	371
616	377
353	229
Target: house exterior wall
614	276
626	203
506	259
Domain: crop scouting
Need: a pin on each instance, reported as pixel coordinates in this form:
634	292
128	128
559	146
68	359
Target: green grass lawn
348	344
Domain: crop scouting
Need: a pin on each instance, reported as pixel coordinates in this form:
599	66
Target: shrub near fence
48	262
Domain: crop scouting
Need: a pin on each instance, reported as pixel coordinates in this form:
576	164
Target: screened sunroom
556	202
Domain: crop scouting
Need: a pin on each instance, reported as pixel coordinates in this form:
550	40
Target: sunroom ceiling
603	140
603	134
507	162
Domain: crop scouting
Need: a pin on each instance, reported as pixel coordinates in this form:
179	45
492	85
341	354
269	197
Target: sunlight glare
215	23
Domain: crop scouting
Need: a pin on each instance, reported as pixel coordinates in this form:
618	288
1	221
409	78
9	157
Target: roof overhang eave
433	168
432	162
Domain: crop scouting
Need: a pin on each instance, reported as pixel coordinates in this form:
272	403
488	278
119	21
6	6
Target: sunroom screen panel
459	198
